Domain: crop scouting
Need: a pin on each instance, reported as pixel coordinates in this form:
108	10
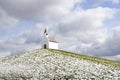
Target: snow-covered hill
44	64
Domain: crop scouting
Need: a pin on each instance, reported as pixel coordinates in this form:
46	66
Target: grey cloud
10	46
109	49
116	57
16	47
6	20
29	40
35	9
6	23
35	35
88	34
79	31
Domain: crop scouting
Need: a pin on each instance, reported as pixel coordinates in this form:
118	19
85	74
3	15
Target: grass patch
85	57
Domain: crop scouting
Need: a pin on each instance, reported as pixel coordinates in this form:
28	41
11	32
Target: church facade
49	42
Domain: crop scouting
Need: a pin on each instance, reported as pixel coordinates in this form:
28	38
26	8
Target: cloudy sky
89	27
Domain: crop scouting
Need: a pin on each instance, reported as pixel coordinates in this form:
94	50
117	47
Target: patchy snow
48	65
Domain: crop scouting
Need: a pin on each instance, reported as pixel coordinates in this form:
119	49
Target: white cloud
87	33
116	1
85	27
16	46
87	24
29	40
116	57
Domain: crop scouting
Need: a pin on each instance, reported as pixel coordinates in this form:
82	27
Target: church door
45	46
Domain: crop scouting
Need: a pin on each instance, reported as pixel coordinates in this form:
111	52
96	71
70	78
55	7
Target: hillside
45	64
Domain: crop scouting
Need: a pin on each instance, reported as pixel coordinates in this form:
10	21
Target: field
48	64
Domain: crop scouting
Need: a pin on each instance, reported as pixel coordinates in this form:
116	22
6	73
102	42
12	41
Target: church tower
49	41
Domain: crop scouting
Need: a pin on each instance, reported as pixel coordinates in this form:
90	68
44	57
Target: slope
45	64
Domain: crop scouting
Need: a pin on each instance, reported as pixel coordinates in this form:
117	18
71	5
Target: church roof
52	39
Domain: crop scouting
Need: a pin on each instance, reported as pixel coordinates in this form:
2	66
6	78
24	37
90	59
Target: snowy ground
48	65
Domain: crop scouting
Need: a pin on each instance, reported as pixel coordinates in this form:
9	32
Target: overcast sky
89	27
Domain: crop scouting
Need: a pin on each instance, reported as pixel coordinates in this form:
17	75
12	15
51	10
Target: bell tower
46	33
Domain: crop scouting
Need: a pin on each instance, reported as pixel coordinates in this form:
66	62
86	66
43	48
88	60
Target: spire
45	32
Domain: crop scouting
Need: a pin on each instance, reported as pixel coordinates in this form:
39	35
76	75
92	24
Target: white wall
45	41
53	45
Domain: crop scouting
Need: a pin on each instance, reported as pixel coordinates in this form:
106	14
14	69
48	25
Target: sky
89	27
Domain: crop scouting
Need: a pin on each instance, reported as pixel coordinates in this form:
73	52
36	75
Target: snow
48	65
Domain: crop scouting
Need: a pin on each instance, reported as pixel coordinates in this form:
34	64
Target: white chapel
49	42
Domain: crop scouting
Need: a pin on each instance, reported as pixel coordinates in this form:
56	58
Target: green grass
94	59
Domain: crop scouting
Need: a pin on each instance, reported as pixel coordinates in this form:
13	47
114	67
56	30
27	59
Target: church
49	42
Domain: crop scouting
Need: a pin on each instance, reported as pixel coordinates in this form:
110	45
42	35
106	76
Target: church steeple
49	42
45	32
